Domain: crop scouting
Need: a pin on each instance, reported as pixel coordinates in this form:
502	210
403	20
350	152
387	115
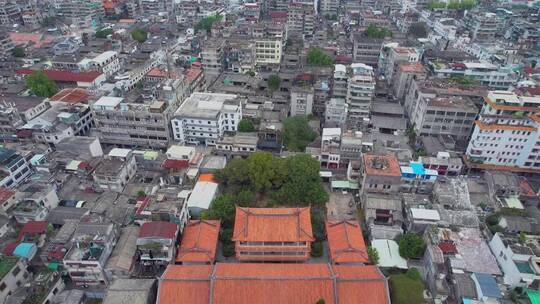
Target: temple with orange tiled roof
273	234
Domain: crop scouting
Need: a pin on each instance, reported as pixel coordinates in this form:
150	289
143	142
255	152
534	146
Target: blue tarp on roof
418	168
25	250
488	285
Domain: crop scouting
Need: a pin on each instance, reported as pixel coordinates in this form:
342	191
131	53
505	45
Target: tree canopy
246	125
297	133
418	30
291	181
139	35
317	56
373	255
273	82
103	33
374	31
206	23
452	5
18	52
41	84
411	245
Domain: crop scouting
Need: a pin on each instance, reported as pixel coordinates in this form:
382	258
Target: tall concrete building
434	109
329	7
360	92
213	56
507	133
300	19
484	27
367	50
81	13
340	81
128	124
301	100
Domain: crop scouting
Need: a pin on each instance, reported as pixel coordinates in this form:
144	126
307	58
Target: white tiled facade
507	131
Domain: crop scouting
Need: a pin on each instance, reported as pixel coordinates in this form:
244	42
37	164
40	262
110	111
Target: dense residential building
366	50
203	118
381	174
115	170
336	112
272	234
434	109
402	79
396	56
134	124
506	132
486	73
92	244
14	168
213	55
82	14
14	274
156	243
300	20
360	92
301	101
484	27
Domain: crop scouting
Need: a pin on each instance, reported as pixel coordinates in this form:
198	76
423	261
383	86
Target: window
16	271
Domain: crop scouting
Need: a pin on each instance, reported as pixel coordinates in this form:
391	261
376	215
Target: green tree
317	56
18	52
235	176
414	274
206	23
523	237
265	171
103	33
418	30
321	301
373	255
411	245
41	84
317	250
250	73
303	183
223	209
245	198
297	133
273	83
433	5
374	31
245	125
141	194
48	21
139	35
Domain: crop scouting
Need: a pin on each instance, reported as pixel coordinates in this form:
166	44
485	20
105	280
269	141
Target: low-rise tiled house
156	242
272	234
384	216
199	243
92	244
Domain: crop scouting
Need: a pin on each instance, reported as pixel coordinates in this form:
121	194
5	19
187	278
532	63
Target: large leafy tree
273	82
139	35
224	209
265	171
41	84
411	245
374	31
103	33
18	52
297	133
317	56
303	183
206	23
245	125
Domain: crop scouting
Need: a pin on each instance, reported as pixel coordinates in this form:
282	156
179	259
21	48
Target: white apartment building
488	74
507	132
107	63
301	101
360	92
203	118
